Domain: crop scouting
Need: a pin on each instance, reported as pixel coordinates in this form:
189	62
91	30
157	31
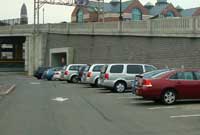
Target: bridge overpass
163	42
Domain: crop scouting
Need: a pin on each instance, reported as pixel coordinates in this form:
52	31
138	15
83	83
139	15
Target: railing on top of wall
175	26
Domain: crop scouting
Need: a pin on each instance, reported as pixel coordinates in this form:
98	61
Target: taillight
89	74
57	73
66	72
147	83
106	76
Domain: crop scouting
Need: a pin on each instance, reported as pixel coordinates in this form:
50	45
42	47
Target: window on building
136	14
80	16
170	14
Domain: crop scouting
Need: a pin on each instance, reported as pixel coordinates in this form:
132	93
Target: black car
39	72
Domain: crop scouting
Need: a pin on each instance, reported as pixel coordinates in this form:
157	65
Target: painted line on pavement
141	102
34	83
125	98
60	99
9	90
185	116
162	107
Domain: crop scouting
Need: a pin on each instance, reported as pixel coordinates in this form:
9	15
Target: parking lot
60	108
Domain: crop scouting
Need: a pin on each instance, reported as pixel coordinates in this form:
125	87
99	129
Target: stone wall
161	52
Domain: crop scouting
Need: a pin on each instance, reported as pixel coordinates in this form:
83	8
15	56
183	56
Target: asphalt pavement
39	107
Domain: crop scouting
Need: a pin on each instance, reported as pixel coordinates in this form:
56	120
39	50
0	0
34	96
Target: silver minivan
71	72
92	75
118	77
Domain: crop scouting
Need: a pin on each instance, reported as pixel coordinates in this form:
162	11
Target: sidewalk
6	89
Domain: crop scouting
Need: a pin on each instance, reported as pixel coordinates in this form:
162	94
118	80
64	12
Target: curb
8	90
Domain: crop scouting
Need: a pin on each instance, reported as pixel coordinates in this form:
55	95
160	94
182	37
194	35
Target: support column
36	51
31	55
18	51
26	54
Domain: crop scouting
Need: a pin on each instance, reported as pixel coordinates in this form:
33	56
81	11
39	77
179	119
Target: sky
55	14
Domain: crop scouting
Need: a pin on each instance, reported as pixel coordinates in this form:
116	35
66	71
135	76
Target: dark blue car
50	72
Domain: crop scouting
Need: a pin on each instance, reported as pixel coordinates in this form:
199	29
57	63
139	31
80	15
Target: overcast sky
55	14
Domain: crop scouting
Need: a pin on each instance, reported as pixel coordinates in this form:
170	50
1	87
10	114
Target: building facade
132	10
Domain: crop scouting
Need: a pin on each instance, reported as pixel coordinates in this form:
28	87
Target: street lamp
120	11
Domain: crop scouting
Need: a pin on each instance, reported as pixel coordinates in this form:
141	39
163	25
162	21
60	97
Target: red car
170	86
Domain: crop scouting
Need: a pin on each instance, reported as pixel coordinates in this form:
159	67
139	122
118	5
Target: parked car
50	72
171	86
39	72
59	75
81	71
92	75
118	77
147	75
71	72
84	75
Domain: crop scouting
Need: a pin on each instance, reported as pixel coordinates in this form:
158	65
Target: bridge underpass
12	53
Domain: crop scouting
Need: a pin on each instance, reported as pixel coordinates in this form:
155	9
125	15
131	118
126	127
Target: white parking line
125	98
141	102
162	107
34	82
185	116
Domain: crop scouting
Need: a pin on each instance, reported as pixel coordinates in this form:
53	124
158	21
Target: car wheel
96	82
74	79
169	97
120	87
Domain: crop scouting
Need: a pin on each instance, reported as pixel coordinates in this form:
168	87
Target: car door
185	85
197	84
116	72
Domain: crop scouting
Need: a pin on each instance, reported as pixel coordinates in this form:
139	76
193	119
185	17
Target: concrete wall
161	52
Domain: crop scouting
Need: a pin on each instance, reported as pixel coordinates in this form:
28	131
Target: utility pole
34	16
43	15
38	14
103	11
120	11
98	10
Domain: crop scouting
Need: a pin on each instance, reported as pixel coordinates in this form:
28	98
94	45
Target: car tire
169	97
96	82
120	87
74	79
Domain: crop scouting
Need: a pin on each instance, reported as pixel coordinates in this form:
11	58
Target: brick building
132	10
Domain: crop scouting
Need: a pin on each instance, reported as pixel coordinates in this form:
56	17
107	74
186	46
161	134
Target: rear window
149	68
104	68
155	73
197	74
87	69
134	69
97	68
159	74
82	68
116	69
75	68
